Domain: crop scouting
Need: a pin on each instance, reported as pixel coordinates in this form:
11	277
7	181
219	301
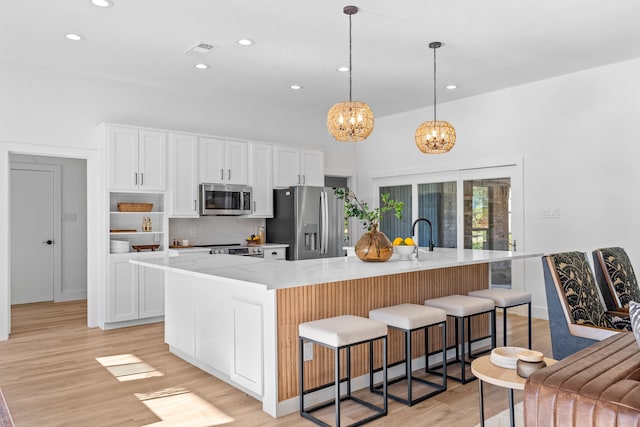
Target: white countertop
286	274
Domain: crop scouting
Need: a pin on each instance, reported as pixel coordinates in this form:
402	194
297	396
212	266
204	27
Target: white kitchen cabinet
246	367
294	166
180	313
122	295
137	159
271	254
150	292
219	325
134	292
261	179
224	162
312	167
214	327
183	176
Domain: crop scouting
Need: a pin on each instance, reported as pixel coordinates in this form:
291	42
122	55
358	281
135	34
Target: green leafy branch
356	208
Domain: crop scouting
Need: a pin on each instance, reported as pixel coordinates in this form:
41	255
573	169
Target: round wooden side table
486	371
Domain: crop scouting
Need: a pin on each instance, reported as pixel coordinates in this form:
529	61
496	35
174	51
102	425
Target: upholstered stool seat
408	318
337	333
461	308
506	298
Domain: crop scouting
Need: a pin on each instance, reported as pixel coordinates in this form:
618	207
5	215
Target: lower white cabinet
274	253
246	363
180	316
134	292
218	325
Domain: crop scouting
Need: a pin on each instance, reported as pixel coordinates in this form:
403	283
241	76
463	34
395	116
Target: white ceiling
487	45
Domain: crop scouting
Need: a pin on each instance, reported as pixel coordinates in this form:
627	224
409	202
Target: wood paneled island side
240	315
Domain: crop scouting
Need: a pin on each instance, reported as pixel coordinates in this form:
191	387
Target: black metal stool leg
504	326
529	324
337	382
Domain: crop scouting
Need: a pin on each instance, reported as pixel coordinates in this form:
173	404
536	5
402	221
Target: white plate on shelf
506	357
119	250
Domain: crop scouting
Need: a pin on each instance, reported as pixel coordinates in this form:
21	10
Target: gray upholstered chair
577	317
616	278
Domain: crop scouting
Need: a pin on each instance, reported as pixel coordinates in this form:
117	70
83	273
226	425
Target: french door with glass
472	209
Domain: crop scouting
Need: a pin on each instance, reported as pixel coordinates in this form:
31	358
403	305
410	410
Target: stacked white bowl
119	246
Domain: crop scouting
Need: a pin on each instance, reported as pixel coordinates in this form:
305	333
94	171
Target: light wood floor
50	377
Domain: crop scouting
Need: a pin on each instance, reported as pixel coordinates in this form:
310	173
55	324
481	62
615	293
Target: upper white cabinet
294	166
183	176
224	162
261	179
137	159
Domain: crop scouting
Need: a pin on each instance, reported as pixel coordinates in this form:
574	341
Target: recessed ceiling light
74	37
295	87
102	3
343	69
245	42
201	66
452	87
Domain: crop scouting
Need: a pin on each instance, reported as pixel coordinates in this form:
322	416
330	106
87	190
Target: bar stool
461	308
337	333
506	298
408	318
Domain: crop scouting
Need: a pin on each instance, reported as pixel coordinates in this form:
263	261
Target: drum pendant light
350	121
435	137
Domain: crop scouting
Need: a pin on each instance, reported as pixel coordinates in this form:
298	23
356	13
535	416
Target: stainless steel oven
221	199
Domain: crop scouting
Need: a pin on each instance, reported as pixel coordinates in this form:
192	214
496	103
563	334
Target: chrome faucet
413	233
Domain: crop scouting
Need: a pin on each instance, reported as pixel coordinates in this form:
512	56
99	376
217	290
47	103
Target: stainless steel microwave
221	199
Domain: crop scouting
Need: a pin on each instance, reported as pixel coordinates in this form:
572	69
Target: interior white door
32	236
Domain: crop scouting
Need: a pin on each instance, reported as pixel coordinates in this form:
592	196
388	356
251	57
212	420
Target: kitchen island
237	317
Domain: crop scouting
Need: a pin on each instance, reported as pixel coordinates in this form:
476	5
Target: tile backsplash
214	229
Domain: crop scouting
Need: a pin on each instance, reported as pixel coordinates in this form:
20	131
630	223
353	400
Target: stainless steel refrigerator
310	220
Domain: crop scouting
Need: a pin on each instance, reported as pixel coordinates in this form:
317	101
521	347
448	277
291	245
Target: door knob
48	242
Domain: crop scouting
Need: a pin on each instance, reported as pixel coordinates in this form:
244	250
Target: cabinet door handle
222	174
254	205
229	174
304	180
135	178
141	179
298	179
195	205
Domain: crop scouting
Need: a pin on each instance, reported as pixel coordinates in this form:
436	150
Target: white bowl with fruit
404	247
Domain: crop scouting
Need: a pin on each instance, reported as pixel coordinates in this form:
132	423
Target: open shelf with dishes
137	222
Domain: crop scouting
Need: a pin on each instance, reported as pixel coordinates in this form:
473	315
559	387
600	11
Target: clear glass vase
374	246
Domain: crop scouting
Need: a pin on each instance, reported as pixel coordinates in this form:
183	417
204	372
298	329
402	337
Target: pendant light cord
434	84
349	58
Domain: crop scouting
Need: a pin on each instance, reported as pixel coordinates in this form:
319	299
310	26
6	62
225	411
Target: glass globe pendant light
350	121
435	137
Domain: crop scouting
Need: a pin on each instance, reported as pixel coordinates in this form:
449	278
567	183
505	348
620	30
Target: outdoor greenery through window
438	203
391	226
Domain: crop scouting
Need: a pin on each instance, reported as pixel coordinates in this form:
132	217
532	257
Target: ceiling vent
199	49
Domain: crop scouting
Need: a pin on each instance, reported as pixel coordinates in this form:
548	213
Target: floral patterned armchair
616	278
577	317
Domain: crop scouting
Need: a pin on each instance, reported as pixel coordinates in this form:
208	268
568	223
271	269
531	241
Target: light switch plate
308	351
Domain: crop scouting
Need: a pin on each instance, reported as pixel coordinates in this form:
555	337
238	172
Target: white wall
73	232
44	106
578	135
